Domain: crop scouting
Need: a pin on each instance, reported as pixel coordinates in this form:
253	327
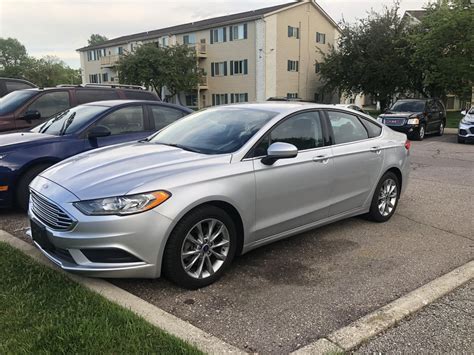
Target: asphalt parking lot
285	295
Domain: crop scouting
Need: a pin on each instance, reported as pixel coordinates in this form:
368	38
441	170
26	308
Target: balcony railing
203	82
109	60
201	49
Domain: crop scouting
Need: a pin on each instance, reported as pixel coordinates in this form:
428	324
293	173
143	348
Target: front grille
394	121
50	214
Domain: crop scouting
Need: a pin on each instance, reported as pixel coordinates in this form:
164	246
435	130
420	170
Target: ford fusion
215	184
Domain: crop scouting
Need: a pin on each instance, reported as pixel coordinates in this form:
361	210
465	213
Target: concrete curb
451	131
358	332
152	314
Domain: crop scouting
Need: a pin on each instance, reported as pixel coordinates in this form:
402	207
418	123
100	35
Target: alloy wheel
388	195
422	132
441	129
205	248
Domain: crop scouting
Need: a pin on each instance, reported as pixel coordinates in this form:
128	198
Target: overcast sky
59	27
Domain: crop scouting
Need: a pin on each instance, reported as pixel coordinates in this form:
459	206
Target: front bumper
141	236
6	188
407	129
466	131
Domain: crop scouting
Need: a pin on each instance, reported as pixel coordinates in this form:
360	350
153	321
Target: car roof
278	106
113	103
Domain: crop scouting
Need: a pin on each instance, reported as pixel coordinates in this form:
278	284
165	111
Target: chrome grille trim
49	213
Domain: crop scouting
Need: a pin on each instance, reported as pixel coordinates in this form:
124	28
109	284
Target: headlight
122	205
413	121
464	120
379	119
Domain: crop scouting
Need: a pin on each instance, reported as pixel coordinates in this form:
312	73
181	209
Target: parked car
466	126
82	128
8	85
23	109
416	117
352	107
217	183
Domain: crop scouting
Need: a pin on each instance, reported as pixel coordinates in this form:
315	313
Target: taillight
407	144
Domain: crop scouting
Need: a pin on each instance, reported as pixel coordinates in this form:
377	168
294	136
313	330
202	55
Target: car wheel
441	129
200	248
385	199
22	190
420	135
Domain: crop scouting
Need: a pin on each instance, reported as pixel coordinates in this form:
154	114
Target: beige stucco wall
305	49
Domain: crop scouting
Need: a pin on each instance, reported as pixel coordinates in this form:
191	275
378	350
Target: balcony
201	49
109	60
203	83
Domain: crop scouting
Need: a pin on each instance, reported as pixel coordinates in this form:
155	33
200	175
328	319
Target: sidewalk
445	326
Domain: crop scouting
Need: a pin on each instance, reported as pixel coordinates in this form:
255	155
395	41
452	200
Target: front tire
385	199
22	190
420	135
200	248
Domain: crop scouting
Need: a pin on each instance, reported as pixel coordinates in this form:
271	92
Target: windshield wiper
183	147
46	125
66	124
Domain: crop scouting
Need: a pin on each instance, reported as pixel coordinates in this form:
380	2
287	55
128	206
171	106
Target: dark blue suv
98	124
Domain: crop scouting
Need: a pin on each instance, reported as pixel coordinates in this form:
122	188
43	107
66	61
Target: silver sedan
218	183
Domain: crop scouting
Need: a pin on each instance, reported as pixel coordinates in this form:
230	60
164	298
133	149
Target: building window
164	41
191	100
320	38
244	97
219	99
293	32
120	50
189	39
293	65
317	68
292	95
105	77
218	35
238	32
219	69
95	54
94	78
239	67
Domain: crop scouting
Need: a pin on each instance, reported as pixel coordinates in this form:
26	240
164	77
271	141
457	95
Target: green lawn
42	311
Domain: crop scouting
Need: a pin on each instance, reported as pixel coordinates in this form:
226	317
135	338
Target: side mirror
31	115
98	131
463	112
279	150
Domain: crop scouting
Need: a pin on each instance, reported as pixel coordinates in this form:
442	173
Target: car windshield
68	121
408	106
214	131
15	99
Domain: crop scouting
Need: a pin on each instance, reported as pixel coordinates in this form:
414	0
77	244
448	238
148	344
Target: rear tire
385	199
441	129
200	248
22	190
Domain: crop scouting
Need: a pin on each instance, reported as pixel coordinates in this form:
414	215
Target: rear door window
163	116
50	103
89	95
346	128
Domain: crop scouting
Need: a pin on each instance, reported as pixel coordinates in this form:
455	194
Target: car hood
399	114
469	118
116	170
8	139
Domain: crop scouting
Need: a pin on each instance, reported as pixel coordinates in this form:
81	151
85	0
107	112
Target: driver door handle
321	159
375	150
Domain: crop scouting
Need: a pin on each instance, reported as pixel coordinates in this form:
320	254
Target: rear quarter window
373	129
85	96
140	95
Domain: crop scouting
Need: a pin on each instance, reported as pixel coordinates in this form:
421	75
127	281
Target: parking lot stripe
152	314
353	335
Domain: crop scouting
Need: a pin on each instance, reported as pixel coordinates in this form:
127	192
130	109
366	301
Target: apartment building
249	56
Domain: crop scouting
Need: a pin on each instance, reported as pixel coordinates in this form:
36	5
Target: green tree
51	71
95	39
370	58
443	49
172	67
13	57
